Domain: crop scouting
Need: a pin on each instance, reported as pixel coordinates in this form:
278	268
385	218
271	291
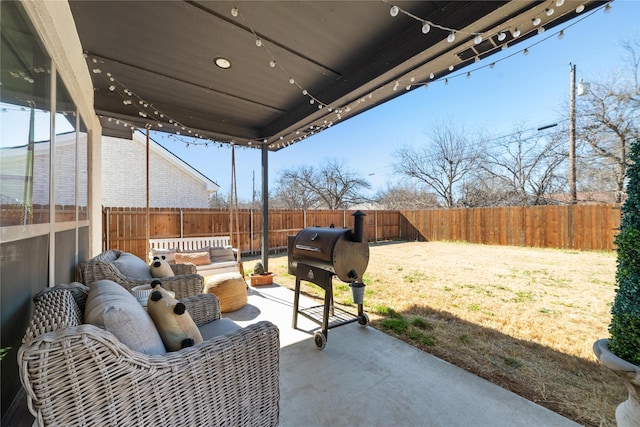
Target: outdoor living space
457	334
523	318
455	299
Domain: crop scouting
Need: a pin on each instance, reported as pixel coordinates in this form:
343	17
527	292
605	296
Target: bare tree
219	200
291	193
528	165
597	174
442	163
484	189
608	115
405	197
331	186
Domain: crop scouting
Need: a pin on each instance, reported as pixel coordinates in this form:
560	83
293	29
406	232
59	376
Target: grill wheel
320	339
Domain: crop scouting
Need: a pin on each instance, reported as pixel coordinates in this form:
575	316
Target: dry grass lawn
523	318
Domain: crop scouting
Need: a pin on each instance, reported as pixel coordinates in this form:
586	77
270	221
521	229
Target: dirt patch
523	318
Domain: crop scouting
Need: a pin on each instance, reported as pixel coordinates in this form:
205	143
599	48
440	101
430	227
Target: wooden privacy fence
125	228
581	227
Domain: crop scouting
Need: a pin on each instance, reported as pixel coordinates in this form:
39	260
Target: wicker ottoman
230	288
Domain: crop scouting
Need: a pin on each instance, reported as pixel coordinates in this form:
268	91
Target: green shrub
625	312
4	351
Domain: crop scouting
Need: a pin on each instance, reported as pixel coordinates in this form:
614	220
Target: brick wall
124	178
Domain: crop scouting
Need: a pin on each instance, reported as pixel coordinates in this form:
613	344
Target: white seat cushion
218	327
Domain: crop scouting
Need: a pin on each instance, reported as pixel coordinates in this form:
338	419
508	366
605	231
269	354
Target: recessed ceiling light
221	62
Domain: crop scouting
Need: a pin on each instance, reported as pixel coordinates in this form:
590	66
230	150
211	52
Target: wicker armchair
185	283
79	374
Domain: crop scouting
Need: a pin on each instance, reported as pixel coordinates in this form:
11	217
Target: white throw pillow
132	266
110	306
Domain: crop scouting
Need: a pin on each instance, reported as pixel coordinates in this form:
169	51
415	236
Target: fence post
107	220
304	218
251	231
181	224
375	224
571	227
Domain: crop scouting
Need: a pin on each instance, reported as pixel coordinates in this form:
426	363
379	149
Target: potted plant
621	352
259	276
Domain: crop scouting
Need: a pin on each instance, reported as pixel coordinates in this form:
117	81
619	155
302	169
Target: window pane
83	174
25	106
65	155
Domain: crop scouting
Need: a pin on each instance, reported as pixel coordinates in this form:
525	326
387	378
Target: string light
426	24
301	134
525	51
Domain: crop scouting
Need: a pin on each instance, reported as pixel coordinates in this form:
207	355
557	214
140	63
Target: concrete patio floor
365	377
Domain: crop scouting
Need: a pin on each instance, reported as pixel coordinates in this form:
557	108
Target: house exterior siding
65	194
12	170
171	183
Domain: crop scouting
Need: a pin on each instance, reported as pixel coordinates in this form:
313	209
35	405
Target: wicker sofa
80	374
117	265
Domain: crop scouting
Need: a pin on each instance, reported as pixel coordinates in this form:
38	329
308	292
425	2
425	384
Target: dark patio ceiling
297	67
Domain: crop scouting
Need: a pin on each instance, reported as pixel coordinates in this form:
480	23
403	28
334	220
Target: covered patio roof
268	74
286	69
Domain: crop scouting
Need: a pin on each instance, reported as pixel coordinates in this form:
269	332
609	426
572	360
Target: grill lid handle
308	248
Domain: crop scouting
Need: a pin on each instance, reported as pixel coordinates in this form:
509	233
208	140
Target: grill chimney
358	226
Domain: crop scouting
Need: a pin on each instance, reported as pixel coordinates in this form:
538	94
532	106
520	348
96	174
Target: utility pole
572	137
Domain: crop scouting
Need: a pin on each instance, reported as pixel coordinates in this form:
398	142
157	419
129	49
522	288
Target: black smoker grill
316	254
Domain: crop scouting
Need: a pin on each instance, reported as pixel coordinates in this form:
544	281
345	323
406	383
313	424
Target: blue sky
529	89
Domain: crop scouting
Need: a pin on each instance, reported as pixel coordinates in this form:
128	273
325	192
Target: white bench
192	244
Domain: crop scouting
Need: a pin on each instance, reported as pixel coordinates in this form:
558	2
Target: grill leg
328	307
332	312
296	300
